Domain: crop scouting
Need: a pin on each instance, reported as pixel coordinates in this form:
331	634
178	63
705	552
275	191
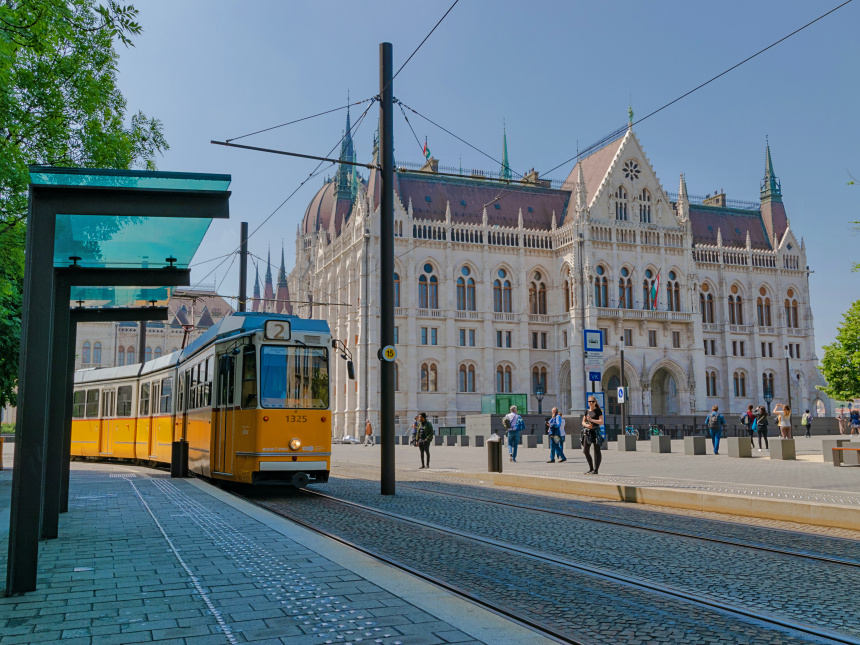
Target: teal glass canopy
98	241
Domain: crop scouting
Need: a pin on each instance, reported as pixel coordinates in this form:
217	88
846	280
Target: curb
816	514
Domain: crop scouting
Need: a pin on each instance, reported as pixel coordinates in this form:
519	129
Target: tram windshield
294	377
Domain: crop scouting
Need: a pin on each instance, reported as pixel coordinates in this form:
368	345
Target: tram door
153	419
107	417
186	385
224	415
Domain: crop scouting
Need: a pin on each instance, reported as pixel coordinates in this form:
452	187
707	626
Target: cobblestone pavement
145	558
572	601
799	480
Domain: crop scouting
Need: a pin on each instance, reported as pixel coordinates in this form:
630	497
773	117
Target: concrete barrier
694	445
827	446
464	440
479	441
739	447
451	440
626	443
782	449
437	440
661	444
531	441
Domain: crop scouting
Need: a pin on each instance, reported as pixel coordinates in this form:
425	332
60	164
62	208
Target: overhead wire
339	302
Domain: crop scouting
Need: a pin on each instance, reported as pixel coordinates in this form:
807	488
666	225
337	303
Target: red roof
594	168
732	223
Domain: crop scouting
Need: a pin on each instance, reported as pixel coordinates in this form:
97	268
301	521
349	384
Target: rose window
631	169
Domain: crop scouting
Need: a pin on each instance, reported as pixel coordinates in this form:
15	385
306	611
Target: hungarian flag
426	149
655	288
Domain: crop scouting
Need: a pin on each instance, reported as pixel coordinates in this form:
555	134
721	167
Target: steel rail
693	598
754	547
543	630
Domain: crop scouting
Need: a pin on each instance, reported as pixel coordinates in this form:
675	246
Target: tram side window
207	386
92	404
195	379
180	404
79	404
226	379
124	402
166	395
249	377
144	400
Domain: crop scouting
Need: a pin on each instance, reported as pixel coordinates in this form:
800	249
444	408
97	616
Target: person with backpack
425	438
806	422
715	423
591	422
748	420
514	424
855	422
761	427
556	437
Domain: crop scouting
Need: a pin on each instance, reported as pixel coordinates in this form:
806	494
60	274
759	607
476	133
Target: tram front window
294	377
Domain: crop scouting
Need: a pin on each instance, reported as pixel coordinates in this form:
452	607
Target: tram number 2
296	418
277	330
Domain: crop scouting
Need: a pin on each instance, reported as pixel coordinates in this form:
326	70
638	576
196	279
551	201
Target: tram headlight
295	444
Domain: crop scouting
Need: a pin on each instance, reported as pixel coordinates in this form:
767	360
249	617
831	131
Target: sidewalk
143	558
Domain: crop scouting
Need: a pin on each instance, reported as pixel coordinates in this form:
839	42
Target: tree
59	106
841	363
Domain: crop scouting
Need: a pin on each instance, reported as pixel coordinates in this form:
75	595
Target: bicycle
654	430
631	431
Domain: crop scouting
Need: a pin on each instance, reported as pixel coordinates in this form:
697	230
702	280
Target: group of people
555	429
849	424
755	420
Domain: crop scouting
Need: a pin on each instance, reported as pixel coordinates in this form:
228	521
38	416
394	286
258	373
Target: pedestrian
855	422
515	425
806	422
414	440
748	420
715	423
843	422
424	438
761	427
368	433
591	422
783	419
556	437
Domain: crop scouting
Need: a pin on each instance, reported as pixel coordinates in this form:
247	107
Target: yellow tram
250	396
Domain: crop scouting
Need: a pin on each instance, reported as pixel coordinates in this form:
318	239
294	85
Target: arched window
542	298
471	303
791	310
767	383
601	291
466	290
625	290
148	354
673	292
502	293
503	379
158	352
711	383
97	353
706	304
396	377
434	380
566	295
129	356
740	381
497	295
538	378
429	374
621	204
739	310
422	292
467	378
645	206
397	289
85	353
649	291
428	288
434	292
120	357
461	294
537	295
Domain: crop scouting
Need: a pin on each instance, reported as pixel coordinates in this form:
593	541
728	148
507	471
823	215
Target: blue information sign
593	339
594	376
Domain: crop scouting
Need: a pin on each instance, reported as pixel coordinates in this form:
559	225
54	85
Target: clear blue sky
558	73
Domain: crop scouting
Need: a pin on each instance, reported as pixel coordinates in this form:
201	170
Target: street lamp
539	396
768	398
788	376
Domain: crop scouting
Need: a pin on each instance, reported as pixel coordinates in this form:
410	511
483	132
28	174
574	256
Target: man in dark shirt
425	438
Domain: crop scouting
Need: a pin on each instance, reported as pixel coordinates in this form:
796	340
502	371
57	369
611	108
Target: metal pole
787	376
243	265
386	253
623	405
141	349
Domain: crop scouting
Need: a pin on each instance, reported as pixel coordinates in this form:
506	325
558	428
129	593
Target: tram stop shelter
114	238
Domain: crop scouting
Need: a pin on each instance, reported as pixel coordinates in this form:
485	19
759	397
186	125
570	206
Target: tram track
621	585
590	518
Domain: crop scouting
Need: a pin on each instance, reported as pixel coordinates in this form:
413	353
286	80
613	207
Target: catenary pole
243	265
623	405
386	256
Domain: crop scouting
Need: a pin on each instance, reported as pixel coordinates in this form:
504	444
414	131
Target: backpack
519	424
506	423
713	421
804	421
744	419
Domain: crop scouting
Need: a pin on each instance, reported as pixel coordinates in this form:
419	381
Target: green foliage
841	363
60	106
7	428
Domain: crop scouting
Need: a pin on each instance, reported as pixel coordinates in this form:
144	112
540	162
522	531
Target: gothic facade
495	283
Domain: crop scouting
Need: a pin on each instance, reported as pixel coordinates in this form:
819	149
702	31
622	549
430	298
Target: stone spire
346	184
770	186
748	240
581	192
269	268
282	272
505	172
255	306
719	236
683	201
268	288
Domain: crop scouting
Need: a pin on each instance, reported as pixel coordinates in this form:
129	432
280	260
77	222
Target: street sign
594	376
622	394
388	353
593	340
593	361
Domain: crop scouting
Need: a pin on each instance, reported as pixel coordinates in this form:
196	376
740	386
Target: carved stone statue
646	401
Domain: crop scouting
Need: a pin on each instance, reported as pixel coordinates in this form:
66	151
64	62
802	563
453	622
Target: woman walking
591	423
784	421
761	427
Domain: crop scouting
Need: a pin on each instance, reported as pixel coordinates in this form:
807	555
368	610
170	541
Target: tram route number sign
388	353
277	330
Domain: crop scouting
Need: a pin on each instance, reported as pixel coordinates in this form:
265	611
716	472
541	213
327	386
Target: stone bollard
694	445
464	440
479	441
451	440
661	444
782	449
739	447
437	440
827	446
531	441
626	443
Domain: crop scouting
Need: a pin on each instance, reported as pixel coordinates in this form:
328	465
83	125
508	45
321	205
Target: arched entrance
564	391
664	393
611	383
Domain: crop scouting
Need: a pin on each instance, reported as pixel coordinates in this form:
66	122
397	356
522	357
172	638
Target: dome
319	210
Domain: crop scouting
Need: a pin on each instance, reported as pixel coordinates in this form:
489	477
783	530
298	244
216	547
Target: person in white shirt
556	437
